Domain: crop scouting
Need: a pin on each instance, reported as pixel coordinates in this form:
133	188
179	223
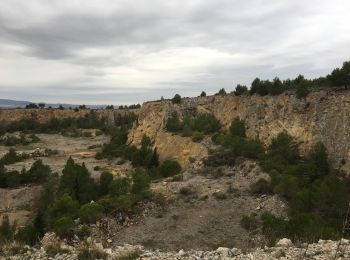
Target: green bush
119	186
240	90
105	180
252	148
63	206
219	158
237	128
222	92
91	212
76	182
302	90
84	231
12	157
262	186
140	182
173	123
37	173
121	203
249	222
63	226
176	99
28	235
205	123
197	137
169	168
186	191
273	228
7	231
283	148
178	177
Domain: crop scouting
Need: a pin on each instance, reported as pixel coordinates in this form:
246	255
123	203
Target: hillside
132	179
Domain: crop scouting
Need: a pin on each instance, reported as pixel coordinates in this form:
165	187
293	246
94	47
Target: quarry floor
205	217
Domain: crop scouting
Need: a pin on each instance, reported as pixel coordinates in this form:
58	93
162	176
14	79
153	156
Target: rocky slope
284	249
323	116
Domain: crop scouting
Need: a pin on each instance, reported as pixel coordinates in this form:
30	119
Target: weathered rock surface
323	116
323	250
45	115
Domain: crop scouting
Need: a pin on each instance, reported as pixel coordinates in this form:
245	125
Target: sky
130	51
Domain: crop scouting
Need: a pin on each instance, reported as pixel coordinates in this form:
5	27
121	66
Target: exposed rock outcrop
45	115
324	116
323	249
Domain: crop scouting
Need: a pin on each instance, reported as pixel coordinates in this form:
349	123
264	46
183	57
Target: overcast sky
115	51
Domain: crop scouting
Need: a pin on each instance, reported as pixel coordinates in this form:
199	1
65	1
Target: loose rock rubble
284	249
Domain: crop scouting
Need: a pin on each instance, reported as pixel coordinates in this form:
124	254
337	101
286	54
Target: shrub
121	203
203	94
252	148
220	195
302	90
220	157
273	228
87	253
262	186
76	182
37	173
319	157
84	231
7	231
240	90
63	206
178	177
237	128
249	222
119	186
221	92
105	179
186	191
28	235
63	226
140	182
283	148
176	99
287	186
197	137
169	168
173	123
91	212
276	87
12	157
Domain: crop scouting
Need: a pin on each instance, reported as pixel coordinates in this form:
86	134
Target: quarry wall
324	116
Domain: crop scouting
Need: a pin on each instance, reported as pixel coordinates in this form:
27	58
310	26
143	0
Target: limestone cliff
323	116
45	115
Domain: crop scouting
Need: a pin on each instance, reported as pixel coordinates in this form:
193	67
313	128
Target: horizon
118	52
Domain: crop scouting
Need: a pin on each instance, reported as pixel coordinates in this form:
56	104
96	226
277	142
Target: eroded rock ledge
323	116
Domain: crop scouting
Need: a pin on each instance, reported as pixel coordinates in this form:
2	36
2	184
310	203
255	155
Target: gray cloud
105	48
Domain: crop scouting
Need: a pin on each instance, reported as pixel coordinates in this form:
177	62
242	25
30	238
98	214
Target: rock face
324	116
45	115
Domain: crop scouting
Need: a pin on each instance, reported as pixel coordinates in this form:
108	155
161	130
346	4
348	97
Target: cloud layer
118	51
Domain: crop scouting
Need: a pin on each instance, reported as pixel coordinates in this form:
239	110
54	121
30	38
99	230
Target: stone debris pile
284	249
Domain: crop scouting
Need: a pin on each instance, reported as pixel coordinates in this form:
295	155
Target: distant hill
8	103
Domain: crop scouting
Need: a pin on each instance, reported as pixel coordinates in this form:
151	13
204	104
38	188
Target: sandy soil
202	220
19	203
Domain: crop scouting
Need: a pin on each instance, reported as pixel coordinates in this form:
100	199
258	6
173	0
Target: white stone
284	242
